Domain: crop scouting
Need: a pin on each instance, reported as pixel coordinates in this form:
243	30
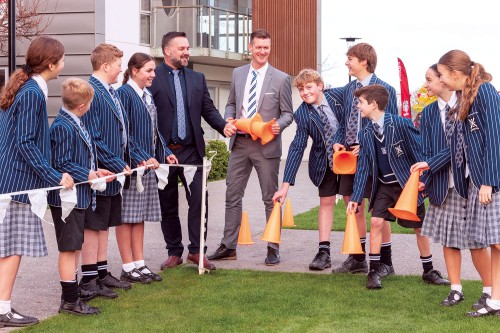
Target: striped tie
116	101
252	96
181	112
92	160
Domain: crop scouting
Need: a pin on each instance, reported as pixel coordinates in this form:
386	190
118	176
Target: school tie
118	106
459	153
152	114
252	96
448	124
181	112
92	160
352	121
328	133
377	131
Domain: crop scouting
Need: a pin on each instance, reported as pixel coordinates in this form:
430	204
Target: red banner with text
405	91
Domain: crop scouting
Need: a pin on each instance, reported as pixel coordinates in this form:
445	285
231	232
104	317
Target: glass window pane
146	5
145	29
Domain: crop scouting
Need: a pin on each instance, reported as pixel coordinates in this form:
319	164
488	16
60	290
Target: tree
30	20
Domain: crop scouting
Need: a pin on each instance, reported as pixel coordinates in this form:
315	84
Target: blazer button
465	219
465	207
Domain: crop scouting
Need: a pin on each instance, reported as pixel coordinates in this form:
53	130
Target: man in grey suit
255	88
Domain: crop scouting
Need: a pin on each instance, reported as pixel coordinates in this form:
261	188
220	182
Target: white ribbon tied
98	184
189	172
162	174
139	185
38	200
68	202
4	204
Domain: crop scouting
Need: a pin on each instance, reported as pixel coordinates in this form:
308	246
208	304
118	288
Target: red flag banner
405	91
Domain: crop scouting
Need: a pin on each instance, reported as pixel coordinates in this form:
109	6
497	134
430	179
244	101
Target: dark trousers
169	203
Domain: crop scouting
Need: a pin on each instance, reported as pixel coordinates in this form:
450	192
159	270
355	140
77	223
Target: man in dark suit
255	88
181	97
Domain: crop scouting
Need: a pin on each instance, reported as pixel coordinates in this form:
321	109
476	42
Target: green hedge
220	161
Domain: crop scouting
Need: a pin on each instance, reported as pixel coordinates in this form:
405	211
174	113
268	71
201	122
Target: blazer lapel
164	81
106	95
265	85
240	88
388	132
316	119
70	120
187	76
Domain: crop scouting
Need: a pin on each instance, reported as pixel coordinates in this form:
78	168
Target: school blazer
438	155
403	149
347	93
199	105
104	125
72	154
141	129
482	137
309	124
25	144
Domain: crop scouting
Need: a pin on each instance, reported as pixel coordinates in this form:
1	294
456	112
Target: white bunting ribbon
68	202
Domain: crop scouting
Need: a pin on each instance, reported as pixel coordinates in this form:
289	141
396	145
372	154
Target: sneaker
453	298
153	276
111	282
95	285
9	319
481	302
321	261
79	308
373	280
434	277
135	276
351	265
223	253
385	270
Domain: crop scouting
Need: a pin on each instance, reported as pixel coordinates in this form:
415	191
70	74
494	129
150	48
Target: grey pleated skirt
141	206
484	221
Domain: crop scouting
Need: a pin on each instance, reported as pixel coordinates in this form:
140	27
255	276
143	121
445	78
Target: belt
242	135
174	146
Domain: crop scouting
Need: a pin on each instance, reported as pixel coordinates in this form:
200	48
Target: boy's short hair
364	51
306	76
374	92
104	53
75	92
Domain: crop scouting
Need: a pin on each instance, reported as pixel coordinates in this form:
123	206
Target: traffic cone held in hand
245	236
262	129
273	228
344	162
288	215
406	207
352	244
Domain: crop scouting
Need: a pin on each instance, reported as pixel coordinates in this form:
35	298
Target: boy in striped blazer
317	117
73	152
390	145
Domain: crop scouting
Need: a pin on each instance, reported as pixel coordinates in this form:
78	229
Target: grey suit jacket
275	101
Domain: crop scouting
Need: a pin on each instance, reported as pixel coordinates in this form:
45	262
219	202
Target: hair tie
472	63
27	69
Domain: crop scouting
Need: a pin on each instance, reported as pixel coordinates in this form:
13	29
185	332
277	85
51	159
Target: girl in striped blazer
445	221
25	151
138	207
479	110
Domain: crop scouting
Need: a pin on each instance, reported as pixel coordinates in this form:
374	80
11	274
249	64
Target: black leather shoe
373	280
138	277
385	270
481	302
434	277
8	320
489	312
153	276
351	265
111	282
86	295
95	285
273	257
453	298
78	308
321	261
223	253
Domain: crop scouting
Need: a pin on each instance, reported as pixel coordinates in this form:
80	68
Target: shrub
220	161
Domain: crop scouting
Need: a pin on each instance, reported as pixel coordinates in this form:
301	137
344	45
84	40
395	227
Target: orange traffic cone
288	215
243	124
272	232
262	130
344	162
245	236
352	244
406	207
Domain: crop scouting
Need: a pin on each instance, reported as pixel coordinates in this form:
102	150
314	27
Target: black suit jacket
199	105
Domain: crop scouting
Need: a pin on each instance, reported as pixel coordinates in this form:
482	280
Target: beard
177	62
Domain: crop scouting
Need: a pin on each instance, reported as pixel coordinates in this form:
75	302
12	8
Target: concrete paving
37	289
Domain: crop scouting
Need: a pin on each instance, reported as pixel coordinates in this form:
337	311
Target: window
3	77
145	22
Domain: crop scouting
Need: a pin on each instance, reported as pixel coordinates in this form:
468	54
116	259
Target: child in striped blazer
25	152
445	221
479	110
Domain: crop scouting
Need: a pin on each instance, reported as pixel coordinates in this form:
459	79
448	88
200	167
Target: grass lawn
255	301
309	220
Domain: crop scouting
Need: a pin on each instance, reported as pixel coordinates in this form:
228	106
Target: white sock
128	267
494	304
4	307
140	263
487	290
457	287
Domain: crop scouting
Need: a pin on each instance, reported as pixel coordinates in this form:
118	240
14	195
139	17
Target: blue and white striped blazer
309	124
482	138
141	129
437	154
104	125
404	149
25	144
72	154
348	96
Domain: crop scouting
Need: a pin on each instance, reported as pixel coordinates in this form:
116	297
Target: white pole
203	221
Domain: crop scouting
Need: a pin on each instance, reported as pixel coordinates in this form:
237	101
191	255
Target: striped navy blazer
309	124
482	137
25	144
104	125
347	93
437	154
72	154
141	129
404	149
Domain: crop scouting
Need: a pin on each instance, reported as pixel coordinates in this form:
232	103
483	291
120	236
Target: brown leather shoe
171	262
195	259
